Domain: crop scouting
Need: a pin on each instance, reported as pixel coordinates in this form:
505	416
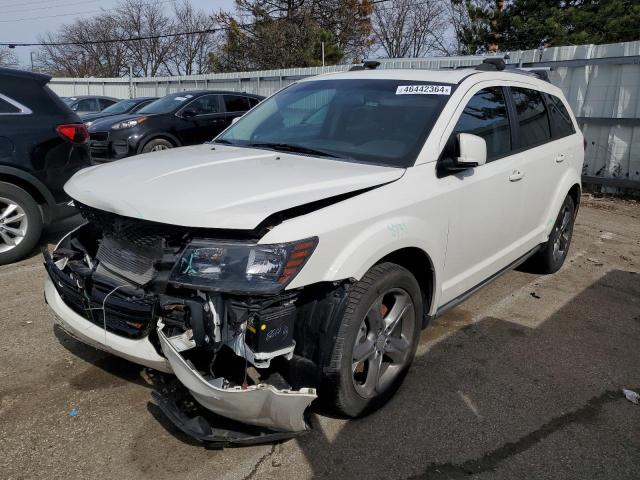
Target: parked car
88	103
184	118
131	105
302	252
42	143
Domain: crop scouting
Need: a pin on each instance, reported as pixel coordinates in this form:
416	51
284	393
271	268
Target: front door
207	119
486	201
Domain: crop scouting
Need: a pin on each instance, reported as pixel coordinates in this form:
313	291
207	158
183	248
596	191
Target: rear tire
157	145
553	253
376	341
20	223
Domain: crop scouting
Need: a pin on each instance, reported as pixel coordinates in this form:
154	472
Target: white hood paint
218	186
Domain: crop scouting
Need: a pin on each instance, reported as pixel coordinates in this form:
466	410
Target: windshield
166	104
122	106
382	122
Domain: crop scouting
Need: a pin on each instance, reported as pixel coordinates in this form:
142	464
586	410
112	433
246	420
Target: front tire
157	145
376	341
20	223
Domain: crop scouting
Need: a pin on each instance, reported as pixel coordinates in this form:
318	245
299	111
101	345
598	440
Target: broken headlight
241	267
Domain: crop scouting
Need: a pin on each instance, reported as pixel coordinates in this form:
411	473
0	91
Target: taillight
74	132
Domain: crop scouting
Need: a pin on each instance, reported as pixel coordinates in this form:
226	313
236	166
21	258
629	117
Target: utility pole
31	56
130	81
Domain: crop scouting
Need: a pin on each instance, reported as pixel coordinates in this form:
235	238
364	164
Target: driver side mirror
189	113
234	120
471	152
472	149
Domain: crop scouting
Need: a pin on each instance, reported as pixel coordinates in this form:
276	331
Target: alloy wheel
383	344
159	147
13	224
562	233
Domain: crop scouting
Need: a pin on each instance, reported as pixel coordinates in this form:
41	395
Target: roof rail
494	64
542	73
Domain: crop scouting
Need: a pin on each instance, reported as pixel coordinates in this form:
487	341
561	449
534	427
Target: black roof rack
492	65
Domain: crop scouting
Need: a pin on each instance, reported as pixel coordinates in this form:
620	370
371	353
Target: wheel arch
155	136
420	265
28	183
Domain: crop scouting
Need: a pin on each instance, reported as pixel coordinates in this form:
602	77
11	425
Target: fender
31	180
568	180
153	135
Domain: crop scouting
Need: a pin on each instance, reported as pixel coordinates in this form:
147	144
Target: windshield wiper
223	141
290	147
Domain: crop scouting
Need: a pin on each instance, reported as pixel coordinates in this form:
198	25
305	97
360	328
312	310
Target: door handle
516	175
560	158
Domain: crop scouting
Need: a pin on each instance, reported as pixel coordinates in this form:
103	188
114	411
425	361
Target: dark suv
42	143
185	118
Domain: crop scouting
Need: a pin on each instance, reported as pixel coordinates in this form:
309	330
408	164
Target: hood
218	186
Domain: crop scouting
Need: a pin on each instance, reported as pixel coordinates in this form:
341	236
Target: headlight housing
241	267
128	123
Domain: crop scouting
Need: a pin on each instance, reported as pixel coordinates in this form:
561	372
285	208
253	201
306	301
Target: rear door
543	160
486	201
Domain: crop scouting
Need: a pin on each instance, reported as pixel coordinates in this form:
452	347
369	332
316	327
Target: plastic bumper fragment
260	405
217	434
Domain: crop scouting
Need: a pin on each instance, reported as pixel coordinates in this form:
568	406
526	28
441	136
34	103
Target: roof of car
218	92
80	97
448	76
15	73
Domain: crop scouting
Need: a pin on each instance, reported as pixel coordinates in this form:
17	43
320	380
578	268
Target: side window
236	103
253	102
86	105
532	117
560	118
486	116
104	103
6	107
205	105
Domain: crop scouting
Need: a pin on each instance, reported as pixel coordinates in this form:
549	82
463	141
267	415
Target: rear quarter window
6	107
236	103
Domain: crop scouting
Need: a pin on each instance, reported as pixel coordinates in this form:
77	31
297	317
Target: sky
25	20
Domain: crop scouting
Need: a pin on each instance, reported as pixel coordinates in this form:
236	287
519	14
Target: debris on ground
597	262
73	412
535	295
632	396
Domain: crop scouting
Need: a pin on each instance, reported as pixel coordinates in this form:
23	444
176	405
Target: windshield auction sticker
424	90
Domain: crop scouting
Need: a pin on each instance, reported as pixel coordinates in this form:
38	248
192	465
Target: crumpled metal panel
261	405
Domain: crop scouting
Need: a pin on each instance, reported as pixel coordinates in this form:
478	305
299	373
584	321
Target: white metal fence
601	82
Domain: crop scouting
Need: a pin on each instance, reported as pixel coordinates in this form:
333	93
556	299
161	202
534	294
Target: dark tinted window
104	103
253	102
373	121
86	105
560	118
486	116
205	105
532	117
235	103
6	107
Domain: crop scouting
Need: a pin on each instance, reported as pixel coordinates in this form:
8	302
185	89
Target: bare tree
410	27
7	58
149	56
190	53
82	56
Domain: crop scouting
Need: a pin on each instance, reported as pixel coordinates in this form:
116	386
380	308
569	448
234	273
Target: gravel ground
522	381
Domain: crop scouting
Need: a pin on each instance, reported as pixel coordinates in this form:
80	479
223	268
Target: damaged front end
208	306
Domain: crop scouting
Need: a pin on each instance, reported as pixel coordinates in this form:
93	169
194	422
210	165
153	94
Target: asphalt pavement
524	380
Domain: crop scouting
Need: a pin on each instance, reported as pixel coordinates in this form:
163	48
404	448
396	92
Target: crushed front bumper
261	405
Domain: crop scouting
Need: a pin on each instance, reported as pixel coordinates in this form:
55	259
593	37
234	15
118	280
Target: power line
74	14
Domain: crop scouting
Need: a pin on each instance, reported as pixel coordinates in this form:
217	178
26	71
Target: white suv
303	250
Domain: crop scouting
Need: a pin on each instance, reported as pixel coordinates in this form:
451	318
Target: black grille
127	260
141	233
99	136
